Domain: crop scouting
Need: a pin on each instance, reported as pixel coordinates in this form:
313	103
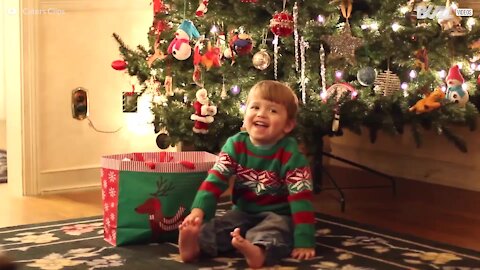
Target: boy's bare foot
188	240
254	255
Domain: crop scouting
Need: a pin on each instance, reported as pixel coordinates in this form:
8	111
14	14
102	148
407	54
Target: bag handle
139	157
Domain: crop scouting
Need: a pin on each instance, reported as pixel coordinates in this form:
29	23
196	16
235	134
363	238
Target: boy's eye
273	110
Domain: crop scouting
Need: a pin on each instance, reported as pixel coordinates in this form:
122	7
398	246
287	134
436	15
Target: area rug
3	166
342	245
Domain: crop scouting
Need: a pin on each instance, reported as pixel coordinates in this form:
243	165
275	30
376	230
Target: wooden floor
434	212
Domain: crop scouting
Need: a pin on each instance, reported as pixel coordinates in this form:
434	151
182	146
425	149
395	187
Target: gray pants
271	231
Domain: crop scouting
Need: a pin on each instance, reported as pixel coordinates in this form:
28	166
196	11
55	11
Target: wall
75	49
436	161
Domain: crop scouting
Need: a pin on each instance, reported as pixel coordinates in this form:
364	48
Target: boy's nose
261	113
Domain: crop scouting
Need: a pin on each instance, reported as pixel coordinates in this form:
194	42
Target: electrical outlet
130	102
79	103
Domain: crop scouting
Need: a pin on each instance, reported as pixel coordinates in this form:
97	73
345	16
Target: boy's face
265	121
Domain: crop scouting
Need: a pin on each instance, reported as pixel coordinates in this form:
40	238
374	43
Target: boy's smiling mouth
260	124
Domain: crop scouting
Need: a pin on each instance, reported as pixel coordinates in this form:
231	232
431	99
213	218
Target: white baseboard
69	179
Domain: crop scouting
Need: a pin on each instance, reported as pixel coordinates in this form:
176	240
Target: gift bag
147	195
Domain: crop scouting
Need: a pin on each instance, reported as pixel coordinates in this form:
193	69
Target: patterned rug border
320	217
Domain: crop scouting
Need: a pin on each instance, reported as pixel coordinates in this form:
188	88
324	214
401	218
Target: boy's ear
291	123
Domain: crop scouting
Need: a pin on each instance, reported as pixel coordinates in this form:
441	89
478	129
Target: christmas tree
379	64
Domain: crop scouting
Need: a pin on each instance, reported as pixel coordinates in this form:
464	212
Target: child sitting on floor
272	215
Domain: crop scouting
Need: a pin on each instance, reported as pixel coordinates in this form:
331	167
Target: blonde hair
277	92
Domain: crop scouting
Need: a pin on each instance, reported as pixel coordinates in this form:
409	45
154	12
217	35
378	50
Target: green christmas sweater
276	179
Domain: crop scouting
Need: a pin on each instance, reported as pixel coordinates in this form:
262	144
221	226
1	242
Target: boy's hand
194	218
303	253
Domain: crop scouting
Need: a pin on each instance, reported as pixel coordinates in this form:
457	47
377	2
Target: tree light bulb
442	73
412	74
396	26
338	74
470	23
243	107
374	26
404	86
214	29
404	9
323	95
320	19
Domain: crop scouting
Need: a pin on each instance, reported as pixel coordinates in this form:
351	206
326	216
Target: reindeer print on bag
153	207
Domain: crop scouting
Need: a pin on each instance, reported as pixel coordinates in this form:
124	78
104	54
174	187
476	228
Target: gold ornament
343	45
261	60
386	83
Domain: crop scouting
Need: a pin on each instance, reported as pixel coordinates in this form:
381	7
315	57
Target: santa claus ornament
455	92
204	112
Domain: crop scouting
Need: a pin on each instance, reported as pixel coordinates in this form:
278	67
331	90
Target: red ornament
478	79
282	24
119	65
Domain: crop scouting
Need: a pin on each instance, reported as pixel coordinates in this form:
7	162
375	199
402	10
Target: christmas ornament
387	83
119	65
282	24
202	8
421	60
235	90
261	60
241	44
156	55
158	25
323	83
429	103
303	80
163	141
343	45
366	76
180	45
168	84
211	56
455	92
450	22
197	75
223	94
336	91
204	112
296	36
346	8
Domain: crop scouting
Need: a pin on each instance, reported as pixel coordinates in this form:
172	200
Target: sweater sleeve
299	182
217	180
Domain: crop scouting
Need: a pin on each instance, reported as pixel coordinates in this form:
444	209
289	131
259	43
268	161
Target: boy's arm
216	182
299	182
